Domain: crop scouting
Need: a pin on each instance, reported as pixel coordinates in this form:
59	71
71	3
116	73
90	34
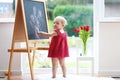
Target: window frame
9	20
102	14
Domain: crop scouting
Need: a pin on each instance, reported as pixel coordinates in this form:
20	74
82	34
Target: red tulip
84	28
76	30
87	28
81	27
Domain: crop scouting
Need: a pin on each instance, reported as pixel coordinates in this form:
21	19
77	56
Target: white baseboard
14	72
109	73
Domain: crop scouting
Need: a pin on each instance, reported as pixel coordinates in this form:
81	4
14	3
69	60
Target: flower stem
84	48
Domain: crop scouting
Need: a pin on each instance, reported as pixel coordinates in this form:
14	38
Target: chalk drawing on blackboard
35	19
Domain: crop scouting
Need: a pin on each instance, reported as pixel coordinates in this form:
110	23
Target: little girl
58	49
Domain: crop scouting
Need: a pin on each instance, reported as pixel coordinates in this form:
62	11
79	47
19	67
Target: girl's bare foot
54	77
64	76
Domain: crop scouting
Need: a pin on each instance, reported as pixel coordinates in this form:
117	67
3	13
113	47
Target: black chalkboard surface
36	19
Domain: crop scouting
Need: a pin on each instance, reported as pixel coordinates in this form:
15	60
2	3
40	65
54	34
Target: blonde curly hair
62	19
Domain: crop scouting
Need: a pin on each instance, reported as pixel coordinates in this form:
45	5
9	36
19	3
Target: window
112	8
7	8
77	13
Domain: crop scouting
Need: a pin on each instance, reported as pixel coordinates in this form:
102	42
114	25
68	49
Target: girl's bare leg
62	64
54	67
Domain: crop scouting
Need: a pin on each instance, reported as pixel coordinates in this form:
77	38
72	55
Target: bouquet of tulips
84	33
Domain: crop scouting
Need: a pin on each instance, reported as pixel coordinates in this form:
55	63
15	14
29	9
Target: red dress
58	46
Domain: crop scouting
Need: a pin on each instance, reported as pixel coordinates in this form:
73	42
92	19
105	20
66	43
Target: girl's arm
47	34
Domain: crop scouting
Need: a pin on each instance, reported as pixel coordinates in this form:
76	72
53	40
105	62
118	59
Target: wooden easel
20	35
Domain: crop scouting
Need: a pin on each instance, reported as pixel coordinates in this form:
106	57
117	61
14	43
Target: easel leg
31	68
33	58
34	51
10	64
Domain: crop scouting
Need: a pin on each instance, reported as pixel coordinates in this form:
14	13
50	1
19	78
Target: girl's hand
39	33
47	34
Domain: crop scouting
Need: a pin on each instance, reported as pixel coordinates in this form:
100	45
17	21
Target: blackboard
35	18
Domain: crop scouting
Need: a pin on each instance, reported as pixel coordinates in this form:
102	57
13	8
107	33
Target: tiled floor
59	77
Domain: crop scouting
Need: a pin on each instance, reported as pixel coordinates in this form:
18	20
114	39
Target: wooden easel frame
20	35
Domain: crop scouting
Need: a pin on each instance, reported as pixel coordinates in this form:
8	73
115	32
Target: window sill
113	19
7	20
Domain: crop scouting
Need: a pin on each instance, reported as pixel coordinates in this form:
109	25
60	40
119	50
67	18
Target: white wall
109	48
106	42
6	32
